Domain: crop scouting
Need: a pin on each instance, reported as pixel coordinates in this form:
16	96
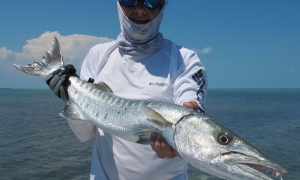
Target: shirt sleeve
191	80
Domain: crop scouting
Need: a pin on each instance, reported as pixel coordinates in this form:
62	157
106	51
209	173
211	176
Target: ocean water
36	143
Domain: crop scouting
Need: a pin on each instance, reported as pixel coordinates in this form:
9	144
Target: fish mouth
256	167
261	171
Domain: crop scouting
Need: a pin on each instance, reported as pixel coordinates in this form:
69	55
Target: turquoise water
36	143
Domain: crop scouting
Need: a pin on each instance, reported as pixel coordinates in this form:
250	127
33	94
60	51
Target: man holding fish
141	83
139	64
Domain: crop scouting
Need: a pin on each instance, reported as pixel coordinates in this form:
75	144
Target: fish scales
112	112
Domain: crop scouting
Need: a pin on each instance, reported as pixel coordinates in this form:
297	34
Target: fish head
214	149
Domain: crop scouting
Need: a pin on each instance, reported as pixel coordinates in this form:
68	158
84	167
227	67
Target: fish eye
224	138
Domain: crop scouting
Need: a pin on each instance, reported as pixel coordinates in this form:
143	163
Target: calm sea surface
36	143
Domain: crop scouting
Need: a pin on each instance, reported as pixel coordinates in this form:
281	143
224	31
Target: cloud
5	53
205	50
74	47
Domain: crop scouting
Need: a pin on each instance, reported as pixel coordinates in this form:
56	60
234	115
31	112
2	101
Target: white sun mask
139	39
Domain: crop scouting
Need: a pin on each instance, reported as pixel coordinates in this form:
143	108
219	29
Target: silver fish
199	140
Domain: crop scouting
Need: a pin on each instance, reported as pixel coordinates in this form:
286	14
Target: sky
241	43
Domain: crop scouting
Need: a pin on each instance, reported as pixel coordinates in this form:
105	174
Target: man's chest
149	79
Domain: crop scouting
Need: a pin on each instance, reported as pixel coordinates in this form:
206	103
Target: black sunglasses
150	4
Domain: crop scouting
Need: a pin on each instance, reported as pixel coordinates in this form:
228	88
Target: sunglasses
150	4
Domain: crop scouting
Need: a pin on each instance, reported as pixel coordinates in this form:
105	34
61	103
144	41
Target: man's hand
160	145
59	80
191	104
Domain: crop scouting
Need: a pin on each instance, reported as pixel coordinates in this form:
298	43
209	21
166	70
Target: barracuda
199	140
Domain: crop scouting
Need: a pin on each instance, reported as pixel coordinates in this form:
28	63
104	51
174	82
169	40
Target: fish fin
140	138
51	61
144	138
103	86
71	112
156	119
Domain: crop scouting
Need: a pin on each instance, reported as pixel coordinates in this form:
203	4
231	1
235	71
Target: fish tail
52	60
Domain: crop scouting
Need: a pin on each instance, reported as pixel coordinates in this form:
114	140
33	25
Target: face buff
139	39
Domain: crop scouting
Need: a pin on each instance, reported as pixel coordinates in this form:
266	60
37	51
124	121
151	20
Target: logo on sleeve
198	77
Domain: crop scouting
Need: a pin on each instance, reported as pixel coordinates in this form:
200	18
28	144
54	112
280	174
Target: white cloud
74	47
205	50
5	53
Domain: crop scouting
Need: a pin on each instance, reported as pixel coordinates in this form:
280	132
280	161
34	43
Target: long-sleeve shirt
173	74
